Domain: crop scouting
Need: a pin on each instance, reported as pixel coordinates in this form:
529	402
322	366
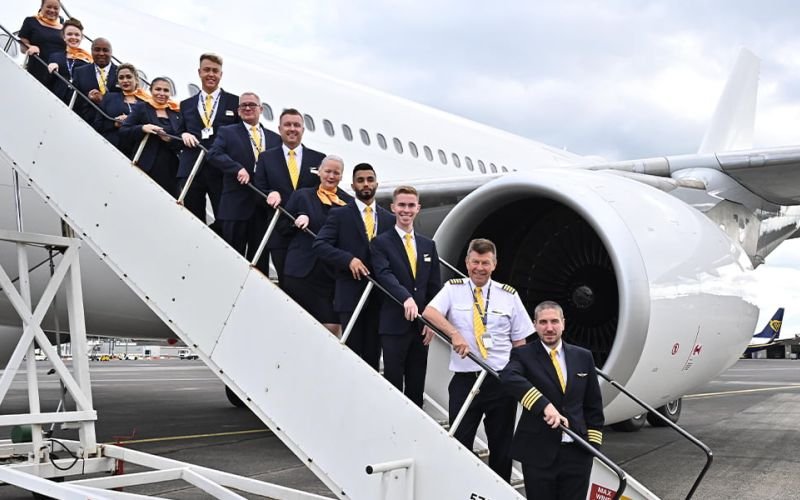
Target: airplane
769	336
637	252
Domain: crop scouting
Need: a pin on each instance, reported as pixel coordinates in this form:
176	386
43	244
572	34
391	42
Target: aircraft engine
651	286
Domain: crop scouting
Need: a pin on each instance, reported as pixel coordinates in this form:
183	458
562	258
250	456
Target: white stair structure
332	410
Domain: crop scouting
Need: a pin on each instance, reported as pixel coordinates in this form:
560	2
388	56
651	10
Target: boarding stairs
302	382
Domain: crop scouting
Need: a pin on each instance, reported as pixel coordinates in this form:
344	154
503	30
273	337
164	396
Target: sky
619	79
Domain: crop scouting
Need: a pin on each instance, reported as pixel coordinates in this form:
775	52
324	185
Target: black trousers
499	410
405	360
245	236
364	339
207	182
566	479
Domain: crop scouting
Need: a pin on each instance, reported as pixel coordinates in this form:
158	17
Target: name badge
206	133
426	258
228	113
487	341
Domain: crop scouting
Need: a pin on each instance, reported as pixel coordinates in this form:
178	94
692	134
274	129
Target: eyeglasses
246	105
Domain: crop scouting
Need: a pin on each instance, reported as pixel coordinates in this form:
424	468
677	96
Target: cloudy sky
615	78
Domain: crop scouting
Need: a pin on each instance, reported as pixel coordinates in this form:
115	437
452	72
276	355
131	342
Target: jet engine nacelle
651	286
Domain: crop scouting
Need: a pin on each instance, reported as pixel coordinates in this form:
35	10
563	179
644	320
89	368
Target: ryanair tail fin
773	328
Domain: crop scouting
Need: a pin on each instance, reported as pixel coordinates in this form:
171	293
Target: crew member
281	171
343	242
490	318
407	266
41	36
556	384
235	152
203	115
95	80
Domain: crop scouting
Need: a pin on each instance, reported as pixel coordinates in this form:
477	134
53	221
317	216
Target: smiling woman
41	35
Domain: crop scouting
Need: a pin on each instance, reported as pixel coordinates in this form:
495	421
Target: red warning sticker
597	492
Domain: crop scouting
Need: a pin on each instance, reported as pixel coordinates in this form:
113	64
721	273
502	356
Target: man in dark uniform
490	318
235	151
95	80
407	265
203	115
556	383
280	172
343	243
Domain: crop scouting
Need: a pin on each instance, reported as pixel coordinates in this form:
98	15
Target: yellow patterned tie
101	82
256	140
207	110
412	255
369	222
294	172
477	323
557	366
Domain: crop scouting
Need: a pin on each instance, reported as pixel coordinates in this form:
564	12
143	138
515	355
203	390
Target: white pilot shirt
298	155
507	321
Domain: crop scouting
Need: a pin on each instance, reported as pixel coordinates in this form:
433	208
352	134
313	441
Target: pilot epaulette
508	288
457	281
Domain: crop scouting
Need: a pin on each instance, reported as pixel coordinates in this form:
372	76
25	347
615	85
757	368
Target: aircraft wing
773	174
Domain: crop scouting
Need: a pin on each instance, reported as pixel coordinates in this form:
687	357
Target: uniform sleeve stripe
595	436
530	398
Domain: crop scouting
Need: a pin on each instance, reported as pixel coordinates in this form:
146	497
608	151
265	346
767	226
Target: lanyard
70	66
102	76
484	315
208	118
256	149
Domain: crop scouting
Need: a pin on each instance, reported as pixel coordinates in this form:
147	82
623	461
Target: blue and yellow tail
773	328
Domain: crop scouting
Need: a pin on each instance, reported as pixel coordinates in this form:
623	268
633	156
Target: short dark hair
404	190
482	246
210	56
361	167
289	111
547	304
72	22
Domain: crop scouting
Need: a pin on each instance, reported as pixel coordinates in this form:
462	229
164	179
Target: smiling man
407	265
96	79
487	318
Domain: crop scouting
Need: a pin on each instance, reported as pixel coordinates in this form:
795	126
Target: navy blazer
85	79
131	131
341	238
393	272
227	114
57	86
272	174
113	104
231	152
531	379
300	258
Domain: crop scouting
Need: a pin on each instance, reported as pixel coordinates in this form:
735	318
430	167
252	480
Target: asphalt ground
749	416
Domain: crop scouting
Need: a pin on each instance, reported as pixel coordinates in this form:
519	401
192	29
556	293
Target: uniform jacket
85	79
227	114
131	132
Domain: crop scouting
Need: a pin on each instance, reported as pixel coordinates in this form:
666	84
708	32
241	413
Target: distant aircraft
769	336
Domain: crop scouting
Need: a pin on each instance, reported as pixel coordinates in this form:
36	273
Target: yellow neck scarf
48	22
140	94
174	106
329	197
79	53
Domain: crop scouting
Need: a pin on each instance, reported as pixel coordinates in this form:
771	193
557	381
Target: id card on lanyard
208	117
484	315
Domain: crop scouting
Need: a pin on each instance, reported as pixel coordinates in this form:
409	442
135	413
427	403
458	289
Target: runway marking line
741	391
192	436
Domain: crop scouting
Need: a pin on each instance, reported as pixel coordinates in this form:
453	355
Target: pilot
343	242
235	152
492	319
556	384
407	266
203	115
280	172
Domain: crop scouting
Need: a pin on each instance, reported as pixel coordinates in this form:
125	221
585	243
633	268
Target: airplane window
348	134
309	123
482	166
442	157
504	169
493	168
267	112
365	137
456	161
470	166
398	146
413	148
328	126
428	153
381	141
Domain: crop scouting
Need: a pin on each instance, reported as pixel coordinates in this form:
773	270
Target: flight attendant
41	36
67	62
119	105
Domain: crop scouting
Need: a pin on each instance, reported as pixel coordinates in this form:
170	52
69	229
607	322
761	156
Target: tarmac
749	417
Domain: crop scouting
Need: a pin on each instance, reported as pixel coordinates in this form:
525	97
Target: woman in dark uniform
41	35
119	105
308	280
158	116
67	62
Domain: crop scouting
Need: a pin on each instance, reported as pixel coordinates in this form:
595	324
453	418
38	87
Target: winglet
773	328
734	118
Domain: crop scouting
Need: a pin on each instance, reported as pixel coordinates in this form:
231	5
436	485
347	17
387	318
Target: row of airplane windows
347	132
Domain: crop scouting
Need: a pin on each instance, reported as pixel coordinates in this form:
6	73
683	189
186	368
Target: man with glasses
235	153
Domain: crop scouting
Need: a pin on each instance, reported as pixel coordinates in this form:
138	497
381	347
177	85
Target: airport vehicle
770	335
638	252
